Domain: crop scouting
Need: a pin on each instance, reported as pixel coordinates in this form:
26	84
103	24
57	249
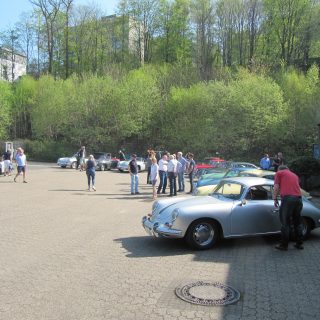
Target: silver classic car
238	207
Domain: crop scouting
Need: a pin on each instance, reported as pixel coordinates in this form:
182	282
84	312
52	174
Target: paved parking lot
66	253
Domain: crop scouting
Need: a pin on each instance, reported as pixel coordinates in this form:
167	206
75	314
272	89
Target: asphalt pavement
70	254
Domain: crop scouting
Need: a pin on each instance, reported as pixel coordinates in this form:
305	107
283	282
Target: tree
49	10
5	108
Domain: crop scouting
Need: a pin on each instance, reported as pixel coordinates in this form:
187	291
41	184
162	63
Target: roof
250	181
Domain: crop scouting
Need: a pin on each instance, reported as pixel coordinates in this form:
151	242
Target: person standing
91	172
286	183
78	156
148	165
133	170
265	162
7	162
172	175
21	160
278	160
190	170
163	168
154	175
181	169
121	156
82	155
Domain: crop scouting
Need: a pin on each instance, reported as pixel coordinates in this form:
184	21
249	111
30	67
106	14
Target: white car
69	162
124	165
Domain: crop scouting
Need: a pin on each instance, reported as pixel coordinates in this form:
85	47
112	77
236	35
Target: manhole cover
208	293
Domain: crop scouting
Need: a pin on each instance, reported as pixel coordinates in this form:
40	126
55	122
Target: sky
10	10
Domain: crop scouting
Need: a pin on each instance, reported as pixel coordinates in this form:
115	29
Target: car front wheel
202	234
74	165
102	167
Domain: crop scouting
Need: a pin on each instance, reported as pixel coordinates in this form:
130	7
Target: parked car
68	162
210	162
124	165
239	207
208	182
234	165
103	160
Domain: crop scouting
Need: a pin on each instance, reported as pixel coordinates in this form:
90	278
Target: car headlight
174	214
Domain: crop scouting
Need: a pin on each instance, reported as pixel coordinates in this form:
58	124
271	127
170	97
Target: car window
263	192
229	190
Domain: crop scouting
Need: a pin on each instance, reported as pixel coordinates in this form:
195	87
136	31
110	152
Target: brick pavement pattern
66	253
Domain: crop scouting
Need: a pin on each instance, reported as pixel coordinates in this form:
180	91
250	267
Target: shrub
305	166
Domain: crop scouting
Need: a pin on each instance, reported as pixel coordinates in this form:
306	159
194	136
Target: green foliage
305	166
6	98
42	150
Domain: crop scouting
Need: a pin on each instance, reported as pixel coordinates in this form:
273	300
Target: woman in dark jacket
91	172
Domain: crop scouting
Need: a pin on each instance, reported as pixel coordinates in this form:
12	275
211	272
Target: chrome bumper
160	230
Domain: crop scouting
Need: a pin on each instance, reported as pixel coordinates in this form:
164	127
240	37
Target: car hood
65	159
165	207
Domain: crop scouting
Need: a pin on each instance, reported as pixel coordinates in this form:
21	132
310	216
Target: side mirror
243	202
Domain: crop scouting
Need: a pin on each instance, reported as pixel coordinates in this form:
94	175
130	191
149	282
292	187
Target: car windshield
230	190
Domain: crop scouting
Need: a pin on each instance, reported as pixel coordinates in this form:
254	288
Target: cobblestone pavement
66	253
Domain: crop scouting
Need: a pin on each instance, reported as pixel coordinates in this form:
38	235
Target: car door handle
275	210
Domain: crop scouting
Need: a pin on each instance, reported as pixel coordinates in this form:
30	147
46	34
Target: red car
213	162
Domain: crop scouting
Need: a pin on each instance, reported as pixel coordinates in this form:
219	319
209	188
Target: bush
305	166
48	150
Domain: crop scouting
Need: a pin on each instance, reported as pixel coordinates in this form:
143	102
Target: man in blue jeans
133	170
287	184
163	169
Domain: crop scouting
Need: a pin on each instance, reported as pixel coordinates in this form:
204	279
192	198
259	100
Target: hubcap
203	234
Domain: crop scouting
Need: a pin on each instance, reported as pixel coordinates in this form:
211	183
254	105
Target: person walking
265	162
163	168
181	170
91	172
286	183
154	176
190	170
172	175
21	160
133	170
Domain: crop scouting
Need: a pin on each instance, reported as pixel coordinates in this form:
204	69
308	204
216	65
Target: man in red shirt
286	183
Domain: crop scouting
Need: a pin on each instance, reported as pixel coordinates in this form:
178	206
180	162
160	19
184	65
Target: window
259	193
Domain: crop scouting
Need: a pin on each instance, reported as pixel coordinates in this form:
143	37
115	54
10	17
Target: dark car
104	160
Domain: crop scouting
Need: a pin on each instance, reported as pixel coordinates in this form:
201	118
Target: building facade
13	65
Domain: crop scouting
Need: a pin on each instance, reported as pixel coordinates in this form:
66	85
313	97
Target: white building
12	65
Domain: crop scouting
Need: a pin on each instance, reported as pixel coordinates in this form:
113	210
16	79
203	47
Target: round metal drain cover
208	293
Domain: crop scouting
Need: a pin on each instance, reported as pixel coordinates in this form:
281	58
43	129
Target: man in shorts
21	164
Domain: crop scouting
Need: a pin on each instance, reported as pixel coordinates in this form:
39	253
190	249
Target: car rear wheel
202	234
306	228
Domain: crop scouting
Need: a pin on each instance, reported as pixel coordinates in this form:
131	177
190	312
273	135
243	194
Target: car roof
250	181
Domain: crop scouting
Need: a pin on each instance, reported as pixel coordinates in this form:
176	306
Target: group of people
266	163
163	171
21	161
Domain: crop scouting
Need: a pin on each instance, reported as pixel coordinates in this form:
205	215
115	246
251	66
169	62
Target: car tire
73	165
102	167
306	228
202	234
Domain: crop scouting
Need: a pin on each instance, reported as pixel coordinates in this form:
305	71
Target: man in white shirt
21	164
163	168
172	175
